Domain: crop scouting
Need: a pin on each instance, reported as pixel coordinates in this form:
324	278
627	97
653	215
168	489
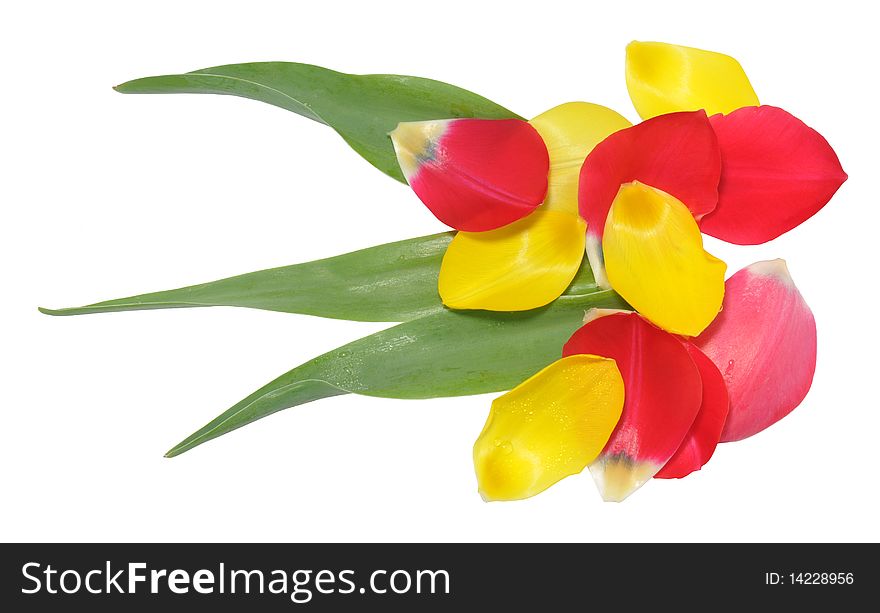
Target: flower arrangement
575	275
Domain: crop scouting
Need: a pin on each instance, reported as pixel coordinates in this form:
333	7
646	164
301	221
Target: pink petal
764	344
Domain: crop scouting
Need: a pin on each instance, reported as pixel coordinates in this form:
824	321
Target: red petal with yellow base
698	446
776	172
474	174
663	395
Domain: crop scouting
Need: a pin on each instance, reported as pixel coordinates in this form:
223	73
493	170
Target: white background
105	195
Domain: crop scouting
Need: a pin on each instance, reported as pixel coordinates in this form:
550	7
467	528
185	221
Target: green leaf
361	108
392	282
447	353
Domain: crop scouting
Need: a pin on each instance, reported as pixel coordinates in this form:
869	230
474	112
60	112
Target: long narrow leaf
392	282
361	108
447	353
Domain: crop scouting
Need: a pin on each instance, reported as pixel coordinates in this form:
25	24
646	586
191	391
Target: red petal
663	393
474	174
676	153
698	446
776	173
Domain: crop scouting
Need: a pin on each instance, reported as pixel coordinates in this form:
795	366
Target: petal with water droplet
764	344
663	395
548	427
698	446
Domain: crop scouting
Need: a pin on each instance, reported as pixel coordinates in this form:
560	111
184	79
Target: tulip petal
548	427
764	344
474	174
663	78
698	446
776	172
570	131
655	260
663	395
521	266
676	153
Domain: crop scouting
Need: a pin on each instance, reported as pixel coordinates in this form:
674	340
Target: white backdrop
105	195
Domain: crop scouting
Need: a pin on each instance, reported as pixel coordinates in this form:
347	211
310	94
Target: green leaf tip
388	283
291	389
394	282
445	353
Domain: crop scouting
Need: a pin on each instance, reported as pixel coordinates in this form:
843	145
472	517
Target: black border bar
505	577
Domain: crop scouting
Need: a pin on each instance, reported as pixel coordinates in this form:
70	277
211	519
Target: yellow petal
654	258
521	266
570	131
664	78
549	427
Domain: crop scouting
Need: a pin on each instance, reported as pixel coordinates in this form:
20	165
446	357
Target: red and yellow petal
570	131
654	259
663	78
663	396
701	440
521	266
474	174
676	153
548	427
776	173
764	344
